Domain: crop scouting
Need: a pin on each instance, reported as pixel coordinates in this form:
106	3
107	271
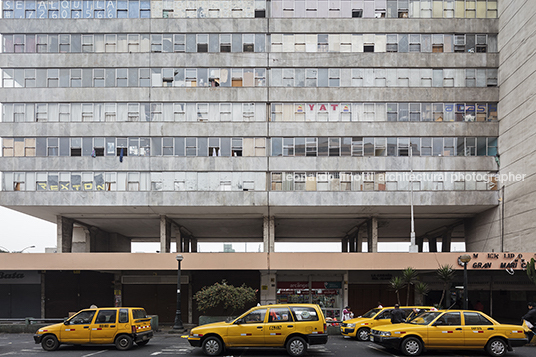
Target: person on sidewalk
530	320
397	315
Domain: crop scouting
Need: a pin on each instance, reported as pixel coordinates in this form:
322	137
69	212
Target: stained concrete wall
517	134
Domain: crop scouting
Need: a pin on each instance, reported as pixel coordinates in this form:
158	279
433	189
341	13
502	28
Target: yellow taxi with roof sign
122	326
360	327
292	326
450	329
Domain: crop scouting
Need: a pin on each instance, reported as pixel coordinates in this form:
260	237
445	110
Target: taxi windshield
371	313
425	318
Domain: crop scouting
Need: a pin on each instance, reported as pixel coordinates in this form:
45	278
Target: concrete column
372	227
344	244
268	287
194	245
345	289
359	240
420	241
165	235
87	233
43	295
178	239
64	233
268	234
190	301
187	240
80	240
446	240
432	244
118	290
351	241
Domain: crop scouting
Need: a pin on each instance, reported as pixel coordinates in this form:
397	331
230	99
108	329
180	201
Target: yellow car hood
50	328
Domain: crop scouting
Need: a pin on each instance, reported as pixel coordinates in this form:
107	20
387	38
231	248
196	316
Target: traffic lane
170	344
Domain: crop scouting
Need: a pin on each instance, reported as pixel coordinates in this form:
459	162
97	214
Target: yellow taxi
450	329
122	326
292	326
360	327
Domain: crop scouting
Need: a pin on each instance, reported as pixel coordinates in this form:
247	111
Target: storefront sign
499	260
19	277
305	285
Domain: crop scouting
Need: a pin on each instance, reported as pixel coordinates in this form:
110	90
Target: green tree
445	273
397	284
422	289
531	271
409	276
225	296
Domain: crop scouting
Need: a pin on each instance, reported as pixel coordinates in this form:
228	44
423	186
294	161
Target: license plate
372	338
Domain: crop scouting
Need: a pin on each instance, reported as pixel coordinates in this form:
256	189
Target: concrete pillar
420	241
81	240
432	244
178	239
165	235
118	290
359	240
268	287
351	241
187	240
446	240
345	289
64	234
193	245
344	244
43	295
372	236
268	234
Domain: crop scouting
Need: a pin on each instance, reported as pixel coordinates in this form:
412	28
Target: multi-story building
365	123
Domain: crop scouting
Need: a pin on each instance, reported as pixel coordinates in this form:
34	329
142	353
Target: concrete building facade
261	123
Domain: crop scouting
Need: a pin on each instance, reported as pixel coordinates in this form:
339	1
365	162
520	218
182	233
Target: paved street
166	344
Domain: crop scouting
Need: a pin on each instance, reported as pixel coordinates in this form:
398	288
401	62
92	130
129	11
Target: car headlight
350	325
384	333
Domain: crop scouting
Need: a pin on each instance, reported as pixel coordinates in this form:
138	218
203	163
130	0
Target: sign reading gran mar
508	261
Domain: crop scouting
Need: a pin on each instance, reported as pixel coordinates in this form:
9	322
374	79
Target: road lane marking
96	353
382	350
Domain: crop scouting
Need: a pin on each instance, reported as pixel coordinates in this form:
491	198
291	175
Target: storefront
20	294
327	294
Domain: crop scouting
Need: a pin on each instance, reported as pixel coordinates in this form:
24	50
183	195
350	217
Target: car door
77	329
248	330
477	329
280	324
446	331
383	318
104	328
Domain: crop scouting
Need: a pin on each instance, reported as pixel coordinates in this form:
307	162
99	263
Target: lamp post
178	319
466	258
22	250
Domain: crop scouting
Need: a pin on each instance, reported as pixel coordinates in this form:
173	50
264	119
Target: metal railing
29	320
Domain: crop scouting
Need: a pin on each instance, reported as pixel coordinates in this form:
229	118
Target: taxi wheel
496	347
411	346
123	342
212	346
296	346
142	343
50	343
363	334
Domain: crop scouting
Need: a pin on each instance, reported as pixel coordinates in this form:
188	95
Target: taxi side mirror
66	323
239	321
438	323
